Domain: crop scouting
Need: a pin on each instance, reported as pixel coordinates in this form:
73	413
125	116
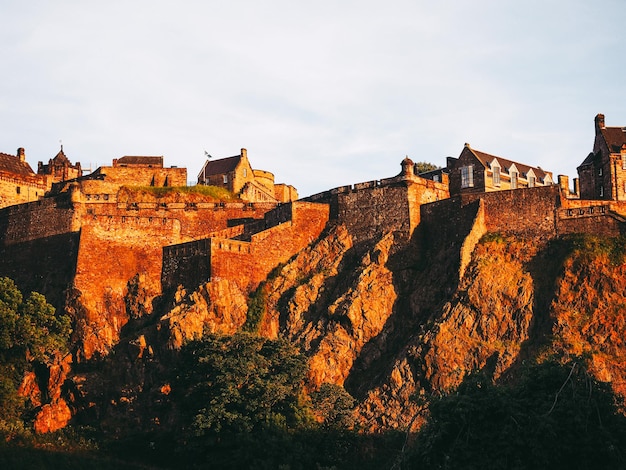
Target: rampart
284	231
39	219
529	212
374	207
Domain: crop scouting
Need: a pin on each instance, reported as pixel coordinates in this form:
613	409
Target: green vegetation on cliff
552	415
176	193
31	332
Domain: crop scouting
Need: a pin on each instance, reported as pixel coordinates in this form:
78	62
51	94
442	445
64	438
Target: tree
423	167
236	384
553	416
30	331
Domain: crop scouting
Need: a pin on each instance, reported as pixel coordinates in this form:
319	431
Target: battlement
248	258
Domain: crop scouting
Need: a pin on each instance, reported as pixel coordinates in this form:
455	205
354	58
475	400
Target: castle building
18	181
477	172
59	169
237	175
602	175
141	171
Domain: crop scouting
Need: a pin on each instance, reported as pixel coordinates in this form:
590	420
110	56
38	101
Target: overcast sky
321	93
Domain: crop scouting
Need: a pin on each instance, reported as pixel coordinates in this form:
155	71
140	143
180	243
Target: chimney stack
600	121
21	154
244	153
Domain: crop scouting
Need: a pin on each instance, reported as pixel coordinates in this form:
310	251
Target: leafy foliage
555	416
244	407
30	330
171	192
589	246
423	167
334	405
236	384
257	302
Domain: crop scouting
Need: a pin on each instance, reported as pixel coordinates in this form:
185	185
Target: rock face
330	316
393	321
46	396
218	306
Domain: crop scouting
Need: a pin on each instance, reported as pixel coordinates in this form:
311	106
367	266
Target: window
623	162
467	176
245	172
496	176
514	180
531	181
18	189
436	178
225	179
600	171
601	191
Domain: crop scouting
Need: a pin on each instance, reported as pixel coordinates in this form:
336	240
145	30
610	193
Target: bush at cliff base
553	416
30	331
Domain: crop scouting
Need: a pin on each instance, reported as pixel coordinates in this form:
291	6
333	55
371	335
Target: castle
93	237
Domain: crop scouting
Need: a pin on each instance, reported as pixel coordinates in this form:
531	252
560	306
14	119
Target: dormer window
467	176
513	179
531	181
496	175
225	179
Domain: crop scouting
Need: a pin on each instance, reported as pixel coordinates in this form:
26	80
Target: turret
408	167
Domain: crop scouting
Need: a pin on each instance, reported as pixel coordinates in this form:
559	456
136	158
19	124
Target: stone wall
285	231
39	219
18	190
142	176
44	264
527	212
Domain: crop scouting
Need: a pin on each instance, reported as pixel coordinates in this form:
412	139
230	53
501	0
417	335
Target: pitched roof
60	157
486	160
615	137
221	166
12	164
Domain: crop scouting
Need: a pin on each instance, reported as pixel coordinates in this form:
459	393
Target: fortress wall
45	265
39	219
197	220
246	263
112	250
527	212
585	216
423	191
598	223
270	247
145	176
374	210
447	222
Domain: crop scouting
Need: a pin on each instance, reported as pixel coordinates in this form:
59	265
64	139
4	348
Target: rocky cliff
393	321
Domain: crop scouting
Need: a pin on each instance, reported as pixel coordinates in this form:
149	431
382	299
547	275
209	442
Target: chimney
21	154
244	153
600	121
564	183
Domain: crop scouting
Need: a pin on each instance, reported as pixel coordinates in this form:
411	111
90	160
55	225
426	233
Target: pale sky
321	93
